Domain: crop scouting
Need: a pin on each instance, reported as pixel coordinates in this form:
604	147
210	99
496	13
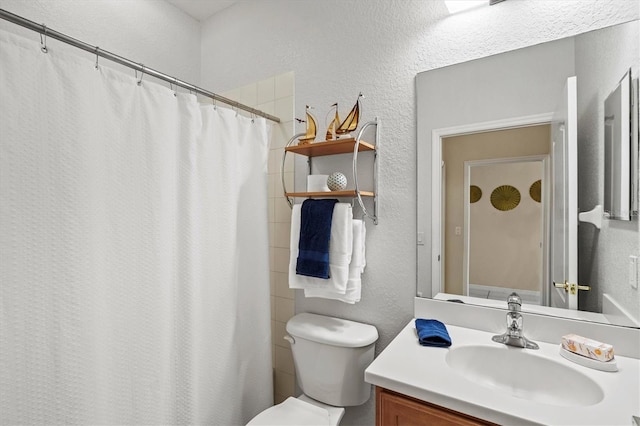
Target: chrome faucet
514	335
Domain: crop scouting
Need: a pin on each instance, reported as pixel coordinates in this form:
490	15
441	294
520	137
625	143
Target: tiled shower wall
275	95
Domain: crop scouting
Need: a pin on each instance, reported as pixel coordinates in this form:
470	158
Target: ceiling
201	9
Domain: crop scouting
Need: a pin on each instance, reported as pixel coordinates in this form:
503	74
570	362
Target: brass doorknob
572	288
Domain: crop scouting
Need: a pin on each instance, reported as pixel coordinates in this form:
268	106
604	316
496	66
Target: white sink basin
522	374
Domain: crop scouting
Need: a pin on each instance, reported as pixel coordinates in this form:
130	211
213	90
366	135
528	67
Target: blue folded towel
315	232
432	333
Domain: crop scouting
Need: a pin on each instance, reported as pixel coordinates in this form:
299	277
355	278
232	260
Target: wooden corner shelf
340	146
332	194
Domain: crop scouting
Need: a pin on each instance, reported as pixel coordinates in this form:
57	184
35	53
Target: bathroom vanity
477	381
393	408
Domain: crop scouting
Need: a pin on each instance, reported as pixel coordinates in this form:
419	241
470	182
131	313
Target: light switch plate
633	271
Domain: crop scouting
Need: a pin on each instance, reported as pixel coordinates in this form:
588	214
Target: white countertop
423	373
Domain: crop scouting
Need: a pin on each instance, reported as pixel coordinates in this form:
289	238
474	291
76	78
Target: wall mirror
510	148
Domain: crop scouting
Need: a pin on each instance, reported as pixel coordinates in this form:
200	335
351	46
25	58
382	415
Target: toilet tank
330	356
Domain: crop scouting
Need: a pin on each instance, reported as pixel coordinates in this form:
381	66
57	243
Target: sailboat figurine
312	127
333	126
351	122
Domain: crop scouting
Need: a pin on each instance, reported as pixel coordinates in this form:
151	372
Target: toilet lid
292	412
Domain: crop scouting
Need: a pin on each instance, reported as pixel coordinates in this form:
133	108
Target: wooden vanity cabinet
394	409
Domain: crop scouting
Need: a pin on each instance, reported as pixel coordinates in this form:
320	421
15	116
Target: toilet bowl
330	356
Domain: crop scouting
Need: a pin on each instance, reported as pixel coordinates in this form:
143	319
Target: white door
564	198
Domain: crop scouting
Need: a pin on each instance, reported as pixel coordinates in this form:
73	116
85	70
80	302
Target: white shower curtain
134	282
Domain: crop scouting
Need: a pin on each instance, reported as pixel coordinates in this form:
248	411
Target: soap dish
588	362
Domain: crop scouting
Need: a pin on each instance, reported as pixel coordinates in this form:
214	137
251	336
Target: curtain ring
215	106
253	118
43	41
141	75
97	49
175	93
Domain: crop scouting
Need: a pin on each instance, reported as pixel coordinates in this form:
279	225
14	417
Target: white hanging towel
356	268
340	248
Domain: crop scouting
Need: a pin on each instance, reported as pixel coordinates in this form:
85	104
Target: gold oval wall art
505	198
475	193
535	190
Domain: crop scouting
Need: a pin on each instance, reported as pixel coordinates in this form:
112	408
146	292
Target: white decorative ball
337	181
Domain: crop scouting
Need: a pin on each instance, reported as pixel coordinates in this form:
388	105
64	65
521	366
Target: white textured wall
150	32
337	48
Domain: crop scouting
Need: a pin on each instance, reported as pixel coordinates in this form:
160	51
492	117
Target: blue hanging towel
315	232
432	333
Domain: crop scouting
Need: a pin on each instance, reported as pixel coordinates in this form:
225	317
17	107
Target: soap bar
588	347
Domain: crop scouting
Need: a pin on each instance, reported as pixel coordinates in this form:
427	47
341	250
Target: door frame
437	136
565	213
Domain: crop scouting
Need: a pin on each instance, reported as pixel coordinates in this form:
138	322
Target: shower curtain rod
47	32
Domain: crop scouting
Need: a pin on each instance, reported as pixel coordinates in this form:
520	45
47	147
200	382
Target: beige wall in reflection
520	142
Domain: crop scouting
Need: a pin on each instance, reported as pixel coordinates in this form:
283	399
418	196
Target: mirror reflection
617	150
510	148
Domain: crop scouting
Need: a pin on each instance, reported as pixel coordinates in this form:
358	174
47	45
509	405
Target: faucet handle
514	302
514	321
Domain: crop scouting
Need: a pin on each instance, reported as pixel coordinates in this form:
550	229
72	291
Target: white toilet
330	356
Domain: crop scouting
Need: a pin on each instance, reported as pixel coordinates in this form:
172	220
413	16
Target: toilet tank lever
289	339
